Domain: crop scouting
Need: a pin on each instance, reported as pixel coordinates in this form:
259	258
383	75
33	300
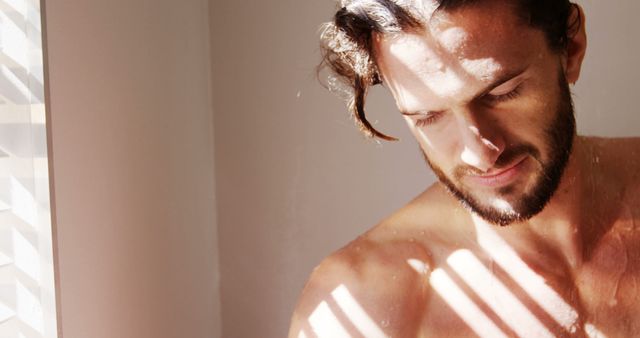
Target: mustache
506	158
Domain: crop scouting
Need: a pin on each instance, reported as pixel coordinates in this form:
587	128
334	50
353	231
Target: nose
481	142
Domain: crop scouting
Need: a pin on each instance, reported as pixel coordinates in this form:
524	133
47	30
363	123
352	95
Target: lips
499	177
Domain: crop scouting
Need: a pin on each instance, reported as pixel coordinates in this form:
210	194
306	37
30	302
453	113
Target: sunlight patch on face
452	39
496	295
469	157
484	141
421	60
475	131
534	285
424	136
356	314
325	324
481	69
463	306
490	145
503	206
420	134
445	83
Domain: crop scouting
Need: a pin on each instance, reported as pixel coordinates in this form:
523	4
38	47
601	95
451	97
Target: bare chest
609	284
505	294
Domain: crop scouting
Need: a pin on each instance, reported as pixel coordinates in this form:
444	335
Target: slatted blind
27	297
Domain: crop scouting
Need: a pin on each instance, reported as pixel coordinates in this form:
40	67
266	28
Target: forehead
457	53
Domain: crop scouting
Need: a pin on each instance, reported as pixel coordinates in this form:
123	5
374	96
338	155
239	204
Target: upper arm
371	292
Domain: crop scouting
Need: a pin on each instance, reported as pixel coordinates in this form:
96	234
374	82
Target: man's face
487	101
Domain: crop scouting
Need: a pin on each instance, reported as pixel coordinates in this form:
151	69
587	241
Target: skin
436	269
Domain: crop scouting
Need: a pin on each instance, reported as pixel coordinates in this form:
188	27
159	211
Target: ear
577	44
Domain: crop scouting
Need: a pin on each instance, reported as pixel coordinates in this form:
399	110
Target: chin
503	211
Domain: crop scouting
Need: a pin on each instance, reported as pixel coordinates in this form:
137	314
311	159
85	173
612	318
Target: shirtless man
530	231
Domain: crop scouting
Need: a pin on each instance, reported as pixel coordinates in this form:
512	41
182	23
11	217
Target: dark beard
560	134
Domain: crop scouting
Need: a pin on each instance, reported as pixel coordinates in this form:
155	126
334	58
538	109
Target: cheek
533	123
438	143
537	113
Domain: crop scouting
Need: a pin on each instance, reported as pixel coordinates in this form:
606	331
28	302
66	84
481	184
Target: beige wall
296	181
133	168
606	96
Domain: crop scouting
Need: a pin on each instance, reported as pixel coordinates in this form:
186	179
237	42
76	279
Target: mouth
499	177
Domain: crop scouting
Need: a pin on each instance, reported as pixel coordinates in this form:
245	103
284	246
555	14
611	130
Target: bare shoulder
619	159
622	158
376	286
629	142
368	288
624	151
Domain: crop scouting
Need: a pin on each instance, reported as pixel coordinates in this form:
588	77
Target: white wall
296	180
133	168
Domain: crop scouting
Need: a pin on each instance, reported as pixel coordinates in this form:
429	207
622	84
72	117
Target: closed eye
428	119
499	98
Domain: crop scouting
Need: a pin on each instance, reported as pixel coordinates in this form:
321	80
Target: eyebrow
502	79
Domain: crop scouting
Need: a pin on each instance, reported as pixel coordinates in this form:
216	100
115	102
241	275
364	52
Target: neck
578	214
563	225
563	208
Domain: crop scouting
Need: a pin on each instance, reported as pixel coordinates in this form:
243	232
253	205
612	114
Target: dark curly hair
347	45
